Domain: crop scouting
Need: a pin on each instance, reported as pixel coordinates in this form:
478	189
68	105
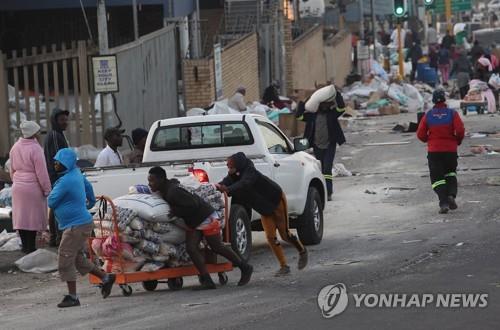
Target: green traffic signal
399	8
428	2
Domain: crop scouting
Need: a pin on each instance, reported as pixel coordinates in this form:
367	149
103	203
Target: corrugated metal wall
148	79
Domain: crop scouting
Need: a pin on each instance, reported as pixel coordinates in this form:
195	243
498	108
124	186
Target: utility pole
447	6
361	20
136	20
102	27
400	52
196	32
374	32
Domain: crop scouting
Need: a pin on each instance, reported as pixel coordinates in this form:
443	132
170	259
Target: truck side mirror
300	144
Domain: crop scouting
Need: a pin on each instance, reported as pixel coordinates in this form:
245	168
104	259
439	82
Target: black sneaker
302	259
246	274
443	209
330	198
283	271
107	285
206	283
452	203
68	301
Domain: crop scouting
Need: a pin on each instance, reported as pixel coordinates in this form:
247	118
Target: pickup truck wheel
241	232
310	224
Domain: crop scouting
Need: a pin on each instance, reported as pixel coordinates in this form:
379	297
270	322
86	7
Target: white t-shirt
109	157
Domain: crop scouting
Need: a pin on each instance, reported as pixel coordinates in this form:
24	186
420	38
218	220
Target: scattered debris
343	262
475	202
493	181
478	136
386	143
195	304
370	192
339	170
470	275
460	244
412	241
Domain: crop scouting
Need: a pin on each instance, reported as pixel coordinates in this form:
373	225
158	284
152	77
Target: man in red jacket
443	131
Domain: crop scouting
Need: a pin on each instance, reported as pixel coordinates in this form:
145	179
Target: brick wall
240	67
199	82
309	67
338	57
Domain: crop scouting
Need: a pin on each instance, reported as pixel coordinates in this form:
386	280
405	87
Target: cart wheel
223	278
150	285
175	283
126	290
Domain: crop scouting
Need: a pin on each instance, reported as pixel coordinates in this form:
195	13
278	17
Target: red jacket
442	129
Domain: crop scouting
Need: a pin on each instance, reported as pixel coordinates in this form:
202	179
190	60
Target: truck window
275	142
201	135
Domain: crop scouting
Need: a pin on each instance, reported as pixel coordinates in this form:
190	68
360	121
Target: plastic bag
167	250
5	237
495	81
13	244
6	197
152	266
149	247
136	224
139	189
38	262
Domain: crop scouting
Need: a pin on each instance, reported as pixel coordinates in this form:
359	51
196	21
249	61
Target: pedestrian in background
111	156
463	70
55	141
31	186
444	64
237	101
443	131
414	54
256	191
324	133
139	136
70	200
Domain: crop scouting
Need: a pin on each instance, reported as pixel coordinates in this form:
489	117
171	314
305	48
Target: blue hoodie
72	194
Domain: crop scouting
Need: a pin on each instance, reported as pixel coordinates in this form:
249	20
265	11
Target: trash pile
9	242
374	96
222	107
6	197
149	237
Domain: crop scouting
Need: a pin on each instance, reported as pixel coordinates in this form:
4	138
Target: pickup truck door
287	167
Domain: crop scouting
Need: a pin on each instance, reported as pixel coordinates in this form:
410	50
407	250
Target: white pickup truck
200	145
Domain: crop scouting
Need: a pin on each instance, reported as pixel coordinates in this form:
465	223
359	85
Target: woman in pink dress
31	186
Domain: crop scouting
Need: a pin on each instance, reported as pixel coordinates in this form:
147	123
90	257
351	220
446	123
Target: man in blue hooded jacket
70	200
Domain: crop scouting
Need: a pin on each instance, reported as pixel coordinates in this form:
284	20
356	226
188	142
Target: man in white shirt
395	39
237	101
432	35
110	156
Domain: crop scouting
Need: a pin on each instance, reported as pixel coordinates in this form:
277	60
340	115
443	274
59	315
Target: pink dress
31	185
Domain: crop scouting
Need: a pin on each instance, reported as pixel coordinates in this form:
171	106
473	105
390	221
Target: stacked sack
150	238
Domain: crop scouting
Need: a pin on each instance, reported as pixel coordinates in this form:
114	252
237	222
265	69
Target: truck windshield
201	135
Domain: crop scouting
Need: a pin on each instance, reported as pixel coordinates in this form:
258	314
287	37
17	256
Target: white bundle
325	94
149	207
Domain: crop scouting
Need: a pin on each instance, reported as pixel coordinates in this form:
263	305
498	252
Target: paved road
389	242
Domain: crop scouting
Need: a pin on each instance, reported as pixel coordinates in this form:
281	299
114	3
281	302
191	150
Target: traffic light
427	3
400	8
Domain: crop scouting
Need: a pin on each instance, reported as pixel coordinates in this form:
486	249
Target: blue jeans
326	157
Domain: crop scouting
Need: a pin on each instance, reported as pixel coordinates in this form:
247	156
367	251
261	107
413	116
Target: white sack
323	94
148	207
38	262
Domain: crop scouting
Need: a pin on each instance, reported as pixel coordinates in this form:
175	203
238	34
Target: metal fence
147	70
39	79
